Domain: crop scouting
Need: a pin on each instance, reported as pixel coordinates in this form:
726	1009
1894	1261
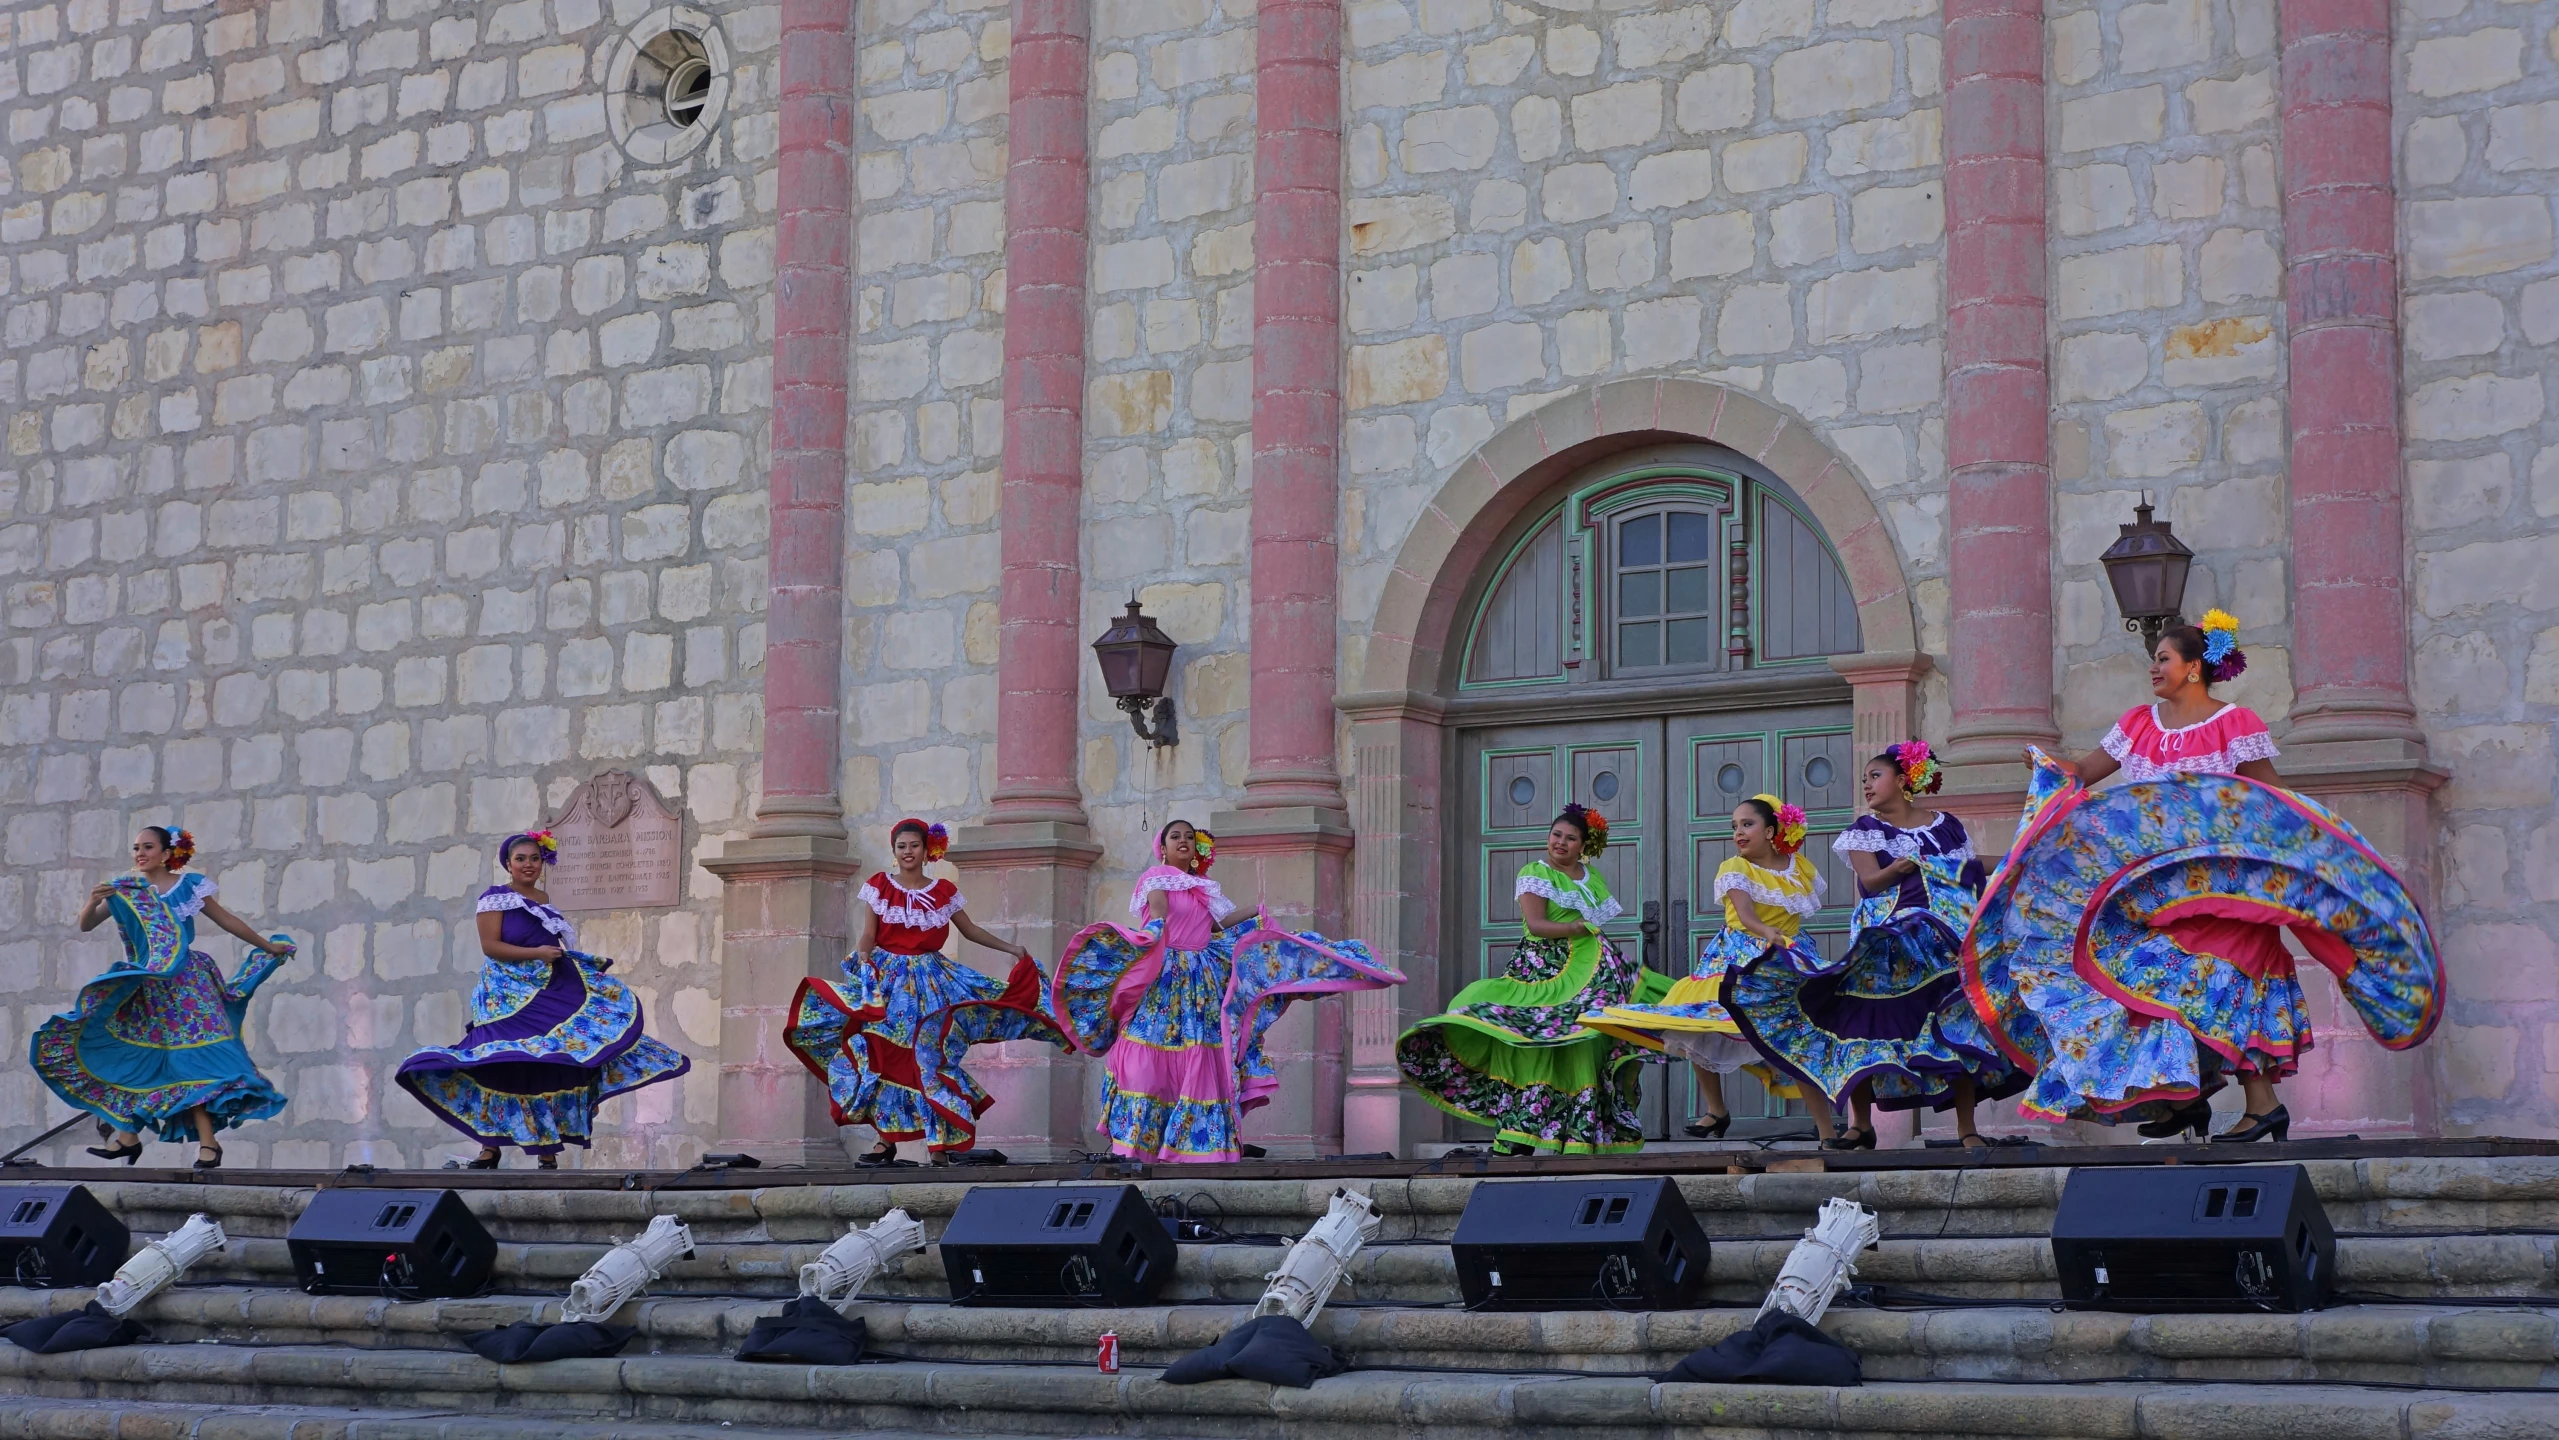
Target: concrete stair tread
1012	1399
2409	1344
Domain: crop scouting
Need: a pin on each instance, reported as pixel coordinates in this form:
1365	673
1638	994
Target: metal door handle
1652	928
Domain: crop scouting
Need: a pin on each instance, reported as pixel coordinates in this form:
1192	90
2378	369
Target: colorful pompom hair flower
1920	772
540	839
2223	659
937	841
181	848
1594	827
1205	846
1789	836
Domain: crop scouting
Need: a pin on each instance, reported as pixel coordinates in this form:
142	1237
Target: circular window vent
667	85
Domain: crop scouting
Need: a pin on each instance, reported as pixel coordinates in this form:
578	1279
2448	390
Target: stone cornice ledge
782	857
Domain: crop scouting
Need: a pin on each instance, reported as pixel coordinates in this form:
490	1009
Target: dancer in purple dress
551	1035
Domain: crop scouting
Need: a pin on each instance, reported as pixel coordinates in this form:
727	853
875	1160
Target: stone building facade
406	421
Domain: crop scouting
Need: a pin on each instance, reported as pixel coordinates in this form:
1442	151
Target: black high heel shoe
126	1153
1851	1138
487	1159
1710	1128
202	1162
2195	1116
2276	1122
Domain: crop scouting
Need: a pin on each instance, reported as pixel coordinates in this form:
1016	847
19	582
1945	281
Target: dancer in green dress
1511	1052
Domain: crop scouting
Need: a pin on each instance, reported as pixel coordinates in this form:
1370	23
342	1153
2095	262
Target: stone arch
1395	710
1453	535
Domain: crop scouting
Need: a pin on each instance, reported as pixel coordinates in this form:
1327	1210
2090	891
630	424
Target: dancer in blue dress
154	1043
889	1040
552	1035
1887	1024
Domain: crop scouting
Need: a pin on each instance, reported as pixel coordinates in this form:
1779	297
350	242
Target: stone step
1739	1271
2466	1195
46	1419
582	1398
2417	1344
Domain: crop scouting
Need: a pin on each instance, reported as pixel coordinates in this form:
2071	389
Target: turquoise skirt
159	1033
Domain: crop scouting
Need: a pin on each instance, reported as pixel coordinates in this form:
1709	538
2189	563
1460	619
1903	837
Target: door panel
1716	762
1668	787
1521	776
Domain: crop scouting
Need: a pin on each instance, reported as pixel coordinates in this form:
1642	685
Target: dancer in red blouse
889	1042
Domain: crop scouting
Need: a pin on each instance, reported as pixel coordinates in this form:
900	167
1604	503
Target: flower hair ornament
937	837
542	841
1790	825
1920	772
1594	828
2222	659
181	848
1203	846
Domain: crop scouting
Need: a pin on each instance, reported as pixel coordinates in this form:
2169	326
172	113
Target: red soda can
1109	1356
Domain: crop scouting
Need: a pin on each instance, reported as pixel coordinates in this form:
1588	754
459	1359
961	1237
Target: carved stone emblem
621	846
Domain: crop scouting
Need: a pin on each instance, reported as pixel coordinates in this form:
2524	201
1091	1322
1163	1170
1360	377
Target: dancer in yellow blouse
1768	889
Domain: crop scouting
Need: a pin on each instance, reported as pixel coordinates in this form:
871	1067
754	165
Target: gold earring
2194	677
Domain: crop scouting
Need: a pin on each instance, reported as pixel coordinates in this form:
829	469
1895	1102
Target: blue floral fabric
549	1040
159	1033
890	1040
2083	944
1890	1011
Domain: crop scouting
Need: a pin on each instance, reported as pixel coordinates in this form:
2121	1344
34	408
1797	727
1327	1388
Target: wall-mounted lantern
2147	567
1136	659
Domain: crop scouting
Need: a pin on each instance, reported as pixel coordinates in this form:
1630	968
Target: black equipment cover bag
1778	1349
87	1328
807	1332
1273	1349
529	1342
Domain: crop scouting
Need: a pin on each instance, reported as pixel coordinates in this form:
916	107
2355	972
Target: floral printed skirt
1890	1012
1691	1022
889	1041
2130	949
549	1041
1511	1051
141	1049
1181	1032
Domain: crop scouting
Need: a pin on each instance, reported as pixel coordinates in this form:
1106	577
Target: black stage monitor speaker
407	1244
2194	1237
1558	1244
1066	1245
58	1235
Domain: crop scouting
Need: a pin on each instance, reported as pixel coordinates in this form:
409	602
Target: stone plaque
621	847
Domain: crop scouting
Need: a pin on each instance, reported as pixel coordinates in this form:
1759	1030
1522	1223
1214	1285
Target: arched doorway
1656	597
1652	641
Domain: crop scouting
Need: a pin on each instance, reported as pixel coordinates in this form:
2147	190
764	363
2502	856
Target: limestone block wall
1168	406
928	429
1541	196
2478	131
383	457
2167	329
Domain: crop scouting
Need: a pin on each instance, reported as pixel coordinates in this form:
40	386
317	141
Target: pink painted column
2350	610
1288	841
2354	740
1026	869
1297	402
783	911
1998	441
